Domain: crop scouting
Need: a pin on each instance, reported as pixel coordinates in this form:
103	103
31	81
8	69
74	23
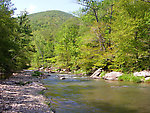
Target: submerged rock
62	78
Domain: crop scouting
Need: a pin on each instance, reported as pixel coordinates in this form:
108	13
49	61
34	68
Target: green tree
7	33
45	26
67	48
23	40
14	42
97	17
130	35
44	47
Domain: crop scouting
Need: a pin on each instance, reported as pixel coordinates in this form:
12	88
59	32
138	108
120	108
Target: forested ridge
109	34
48	20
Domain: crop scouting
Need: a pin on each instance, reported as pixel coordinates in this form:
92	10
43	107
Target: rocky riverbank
143	76
20	94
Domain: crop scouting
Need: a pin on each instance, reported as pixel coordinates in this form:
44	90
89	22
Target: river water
84	95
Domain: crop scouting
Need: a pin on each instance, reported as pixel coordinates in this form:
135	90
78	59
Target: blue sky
34	6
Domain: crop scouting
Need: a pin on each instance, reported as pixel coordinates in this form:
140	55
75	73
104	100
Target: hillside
45	27
48	19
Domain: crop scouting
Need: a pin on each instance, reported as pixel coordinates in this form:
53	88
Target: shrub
102	73
20	83
131	78
42	92
135	79
147	81
37	73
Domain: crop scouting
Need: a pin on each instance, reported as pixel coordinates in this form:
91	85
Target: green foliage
6	36
37	73
147	81
102	73
42	92
51	20
67	44
20	83
131	78
45	26
14	39
23	83
23	40
108	34
130	42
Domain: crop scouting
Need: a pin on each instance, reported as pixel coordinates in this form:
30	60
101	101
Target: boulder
96	73
147	78
142	73
112	76
62	78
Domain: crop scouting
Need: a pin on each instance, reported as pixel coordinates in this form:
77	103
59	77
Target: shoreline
21	93
137	77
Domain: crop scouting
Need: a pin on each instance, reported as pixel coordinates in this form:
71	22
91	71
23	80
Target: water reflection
83	95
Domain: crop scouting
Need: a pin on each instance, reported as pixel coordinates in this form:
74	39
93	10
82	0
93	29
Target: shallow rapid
84	95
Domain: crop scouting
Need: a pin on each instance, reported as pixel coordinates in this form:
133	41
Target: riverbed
78	94
19	93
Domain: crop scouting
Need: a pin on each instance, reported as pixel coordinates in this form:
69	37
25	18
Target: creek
77	94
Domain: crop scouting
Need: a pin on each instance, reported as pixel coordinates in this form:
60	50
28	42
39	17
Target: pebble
15	98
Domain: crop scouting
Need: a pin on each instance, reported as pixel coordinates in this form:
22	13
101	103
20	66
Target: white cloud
31	9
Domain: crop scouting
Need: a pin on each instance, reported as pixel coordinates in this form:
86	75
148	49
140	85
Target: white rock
147	78
112	75
142	73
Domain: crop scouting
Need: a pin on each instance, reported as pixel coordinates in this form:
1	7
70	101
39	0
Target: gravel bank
20	94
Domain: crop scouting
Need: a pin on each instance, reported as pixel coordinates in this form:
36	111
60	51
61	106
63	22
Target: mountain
47	28
48	20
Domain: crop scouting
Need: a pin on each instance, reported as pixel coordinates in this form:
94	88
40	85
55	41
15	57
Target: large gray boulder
142	73
112	76
96	73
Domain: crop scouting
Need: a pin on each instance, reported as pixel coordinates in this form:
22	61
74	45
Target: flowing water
84	95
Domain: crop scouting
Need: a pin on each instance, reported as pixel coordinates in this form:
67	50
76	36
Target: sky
34	6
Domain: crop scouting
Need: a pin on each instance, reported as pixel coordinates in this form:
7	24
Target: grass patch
29	82
37	73
20	83
42	92
131	78
102	73
147	81
51	105
79	72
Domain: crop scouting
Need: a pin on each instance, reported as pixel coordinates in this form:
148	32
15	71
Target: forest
108	34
